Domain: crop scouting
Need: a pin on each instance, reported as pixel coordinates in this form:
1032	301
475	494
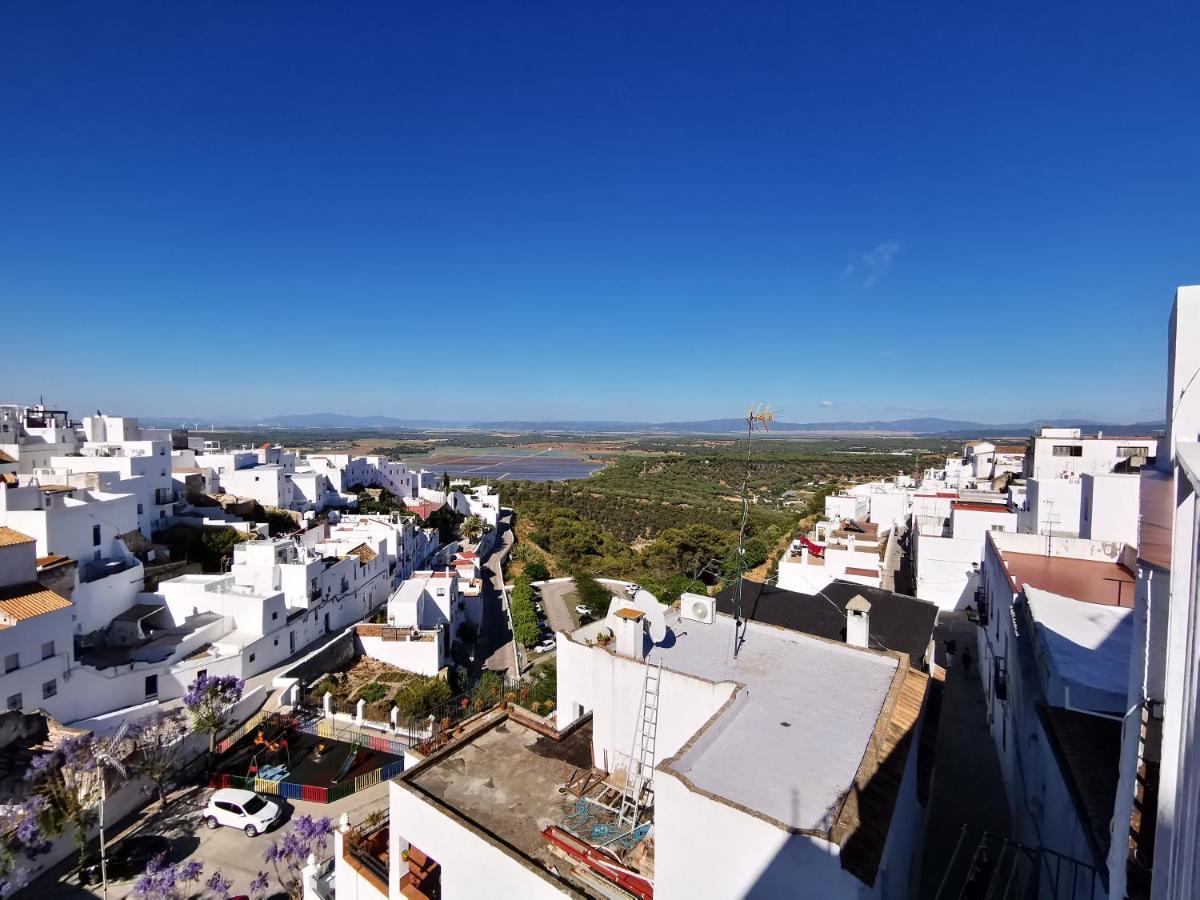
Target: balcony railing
370	850
164	496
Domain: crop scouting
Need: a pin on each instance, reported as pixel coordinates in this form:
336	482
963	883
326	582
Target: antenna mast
759	416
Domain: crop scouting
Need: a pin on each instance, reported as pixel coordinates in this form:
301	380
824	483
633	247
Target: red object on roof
599	862
814	548
950	494
980	507
468	554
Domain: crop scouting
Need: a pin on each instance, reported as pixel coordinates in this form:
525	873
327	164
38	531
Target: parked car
126	859
583	610
546	646
241	809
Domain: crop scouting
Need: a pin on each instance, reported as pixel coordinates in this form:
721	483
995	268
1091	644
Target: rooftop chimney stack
858	621
630	632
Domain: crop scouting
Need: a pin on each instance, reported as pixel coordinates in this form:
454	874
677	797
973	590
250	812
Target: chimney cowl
858	621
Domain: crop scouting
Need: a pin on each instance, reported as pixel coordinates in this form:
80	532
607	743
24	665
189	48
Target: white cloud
827	403
873	265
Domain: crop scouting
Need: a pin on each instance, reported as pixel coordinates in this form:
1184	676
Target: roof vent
858	621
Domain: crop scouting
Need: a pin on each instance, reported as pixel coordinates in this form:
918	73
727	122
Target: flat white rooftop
792	740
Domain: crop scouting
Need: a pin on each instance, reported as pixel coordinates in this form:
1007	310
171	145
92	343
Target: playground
278	755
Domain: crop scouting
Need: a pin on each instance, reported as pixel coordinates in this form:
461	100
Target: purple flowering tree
289	855
64	789
157	741
209	701
168	881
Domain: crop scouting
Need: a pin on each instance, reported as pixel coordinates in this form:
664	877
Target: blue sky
648	211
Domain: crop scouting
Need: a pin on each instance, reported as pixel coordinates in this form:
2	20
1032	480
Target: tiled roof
364	553
5	458
865	819
10	537
24	601
1087	749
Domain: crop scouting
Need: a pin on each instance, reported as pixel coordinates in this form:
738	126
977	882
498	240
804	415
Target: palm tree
472	528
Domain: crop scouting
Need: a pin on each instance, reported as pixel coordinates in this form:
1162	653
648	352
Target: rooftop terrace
806	713
1092	581
505	780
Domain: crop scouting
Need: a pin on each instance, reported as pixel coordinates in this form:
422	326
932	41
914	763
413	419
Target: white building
1156	820
36	628
424	618
852	551
1064	453
80	546
1054	651
758	787
34	435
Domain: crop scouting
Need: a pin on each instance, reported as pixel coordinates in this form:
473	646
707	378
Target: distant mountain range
928	426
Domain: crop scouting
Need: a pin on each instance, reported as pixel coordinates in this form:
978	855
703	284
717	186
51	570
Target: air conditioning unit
698	608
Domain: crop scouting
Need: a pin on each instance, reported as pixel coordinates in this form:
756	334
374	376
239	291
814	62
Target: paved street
494	650
968	786
558	602
224	850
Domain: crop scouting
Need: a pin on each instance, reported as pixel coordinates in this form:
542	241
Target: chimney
858	621
630	632
804	554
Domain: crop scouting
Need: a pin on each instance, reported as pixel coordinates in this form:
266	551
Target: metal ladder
641	760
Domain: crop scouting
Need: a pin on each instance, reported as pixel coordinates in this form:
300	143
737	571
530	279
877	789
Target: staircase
640	776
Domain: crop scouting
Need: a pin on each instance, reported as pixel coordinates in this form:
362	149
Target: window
1126	452
998	527
95	535
274	615
15	702
12	662
151	687
47	649
251	657
1000	678
49	689
140	509
1068	450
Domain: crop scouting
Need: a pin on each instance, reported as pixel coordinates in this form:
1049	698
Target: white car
241	809
546	645
583	610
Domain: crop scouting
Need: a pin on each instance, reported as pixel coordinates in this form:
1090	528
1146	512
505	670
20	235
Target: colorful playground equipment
356	750
274	750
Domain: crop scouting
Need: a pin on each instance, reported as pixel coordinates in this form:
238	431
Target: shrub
525	621
374	692
537	571
421	696
592	594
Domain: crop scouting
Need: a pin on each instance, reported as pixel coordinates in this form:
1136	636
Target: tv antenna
756	417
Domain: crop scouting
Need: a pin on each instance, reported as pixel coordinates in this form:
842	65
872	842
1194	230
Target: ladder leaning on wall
639	780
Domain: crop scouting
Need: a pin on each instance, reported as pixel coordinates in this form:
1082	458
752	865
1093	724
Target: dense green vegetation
670	520
524	616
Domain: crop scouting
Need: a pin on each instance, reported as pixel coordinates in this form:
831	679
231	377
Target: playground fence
311	793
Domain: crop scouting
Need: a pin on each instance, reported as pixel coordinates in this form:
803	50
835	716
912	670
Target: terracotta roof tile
5	458
24	601
364	553
864	822
10	537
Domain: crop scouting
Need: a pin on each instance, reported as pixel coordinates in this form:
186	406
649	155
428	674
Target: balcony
368	852
164	496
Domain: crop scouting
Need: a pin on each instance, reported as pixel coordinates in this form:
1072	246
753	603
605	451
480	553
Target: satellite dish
642	600
656	621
